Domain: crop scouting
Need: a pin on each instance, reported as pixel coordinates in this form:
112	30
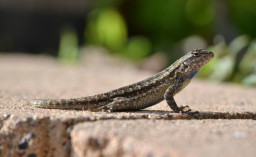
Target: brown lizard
143	94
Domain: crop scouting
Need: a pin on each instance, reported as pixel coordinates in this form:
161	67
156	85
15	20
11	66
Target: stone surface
164	138
156	131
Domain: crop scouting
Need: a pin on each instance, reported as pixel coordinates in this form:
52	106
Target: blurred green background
138	29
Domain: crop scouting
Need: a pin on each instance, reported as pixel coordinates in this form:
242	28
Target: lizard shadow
205	115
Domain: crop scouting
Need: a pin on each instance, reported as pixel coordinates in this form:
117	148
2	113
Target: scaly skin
143	94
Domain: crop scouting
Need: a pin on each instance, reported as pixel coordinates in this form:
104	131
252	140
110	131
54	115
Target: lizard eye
196	54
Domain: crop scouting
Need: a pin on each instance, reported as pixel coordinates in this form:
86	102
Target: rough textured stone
164	138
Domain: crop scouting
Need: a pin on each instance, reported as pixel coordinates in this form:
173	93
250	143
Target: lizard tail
59	104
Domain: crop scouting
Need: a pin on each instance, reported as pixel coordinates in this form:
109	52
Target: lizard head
195	60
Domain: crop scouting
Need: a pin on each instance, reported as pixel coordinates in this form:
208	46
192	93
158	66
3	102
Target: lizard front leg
168	96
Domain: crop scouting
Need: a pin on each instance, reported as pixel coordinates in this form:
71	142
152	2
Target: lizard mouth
209	54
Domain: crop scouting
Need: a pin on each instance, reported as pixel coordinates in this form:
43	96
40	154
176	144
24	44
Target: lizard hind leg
118	104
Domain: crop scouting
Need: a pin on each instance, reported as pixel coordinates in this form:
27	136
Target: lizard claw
182	108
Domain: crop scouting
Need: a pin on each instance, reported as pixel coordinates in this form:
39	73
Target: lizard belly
148	99
148	104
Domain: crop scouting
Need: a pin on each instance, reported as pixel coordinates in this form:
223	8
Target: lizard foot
182	109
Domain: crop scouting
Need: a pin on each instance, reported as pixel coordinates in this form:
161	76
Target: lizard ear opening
184	67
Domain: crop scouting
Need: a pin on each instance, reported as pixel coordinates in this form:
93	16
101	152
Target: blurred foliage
147	25
203	16
68	48
243	15
137	47
167	22
106	27
137	29
235	62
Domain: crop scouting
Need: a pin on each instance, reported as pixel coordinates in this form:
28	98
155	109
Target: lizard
164	85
